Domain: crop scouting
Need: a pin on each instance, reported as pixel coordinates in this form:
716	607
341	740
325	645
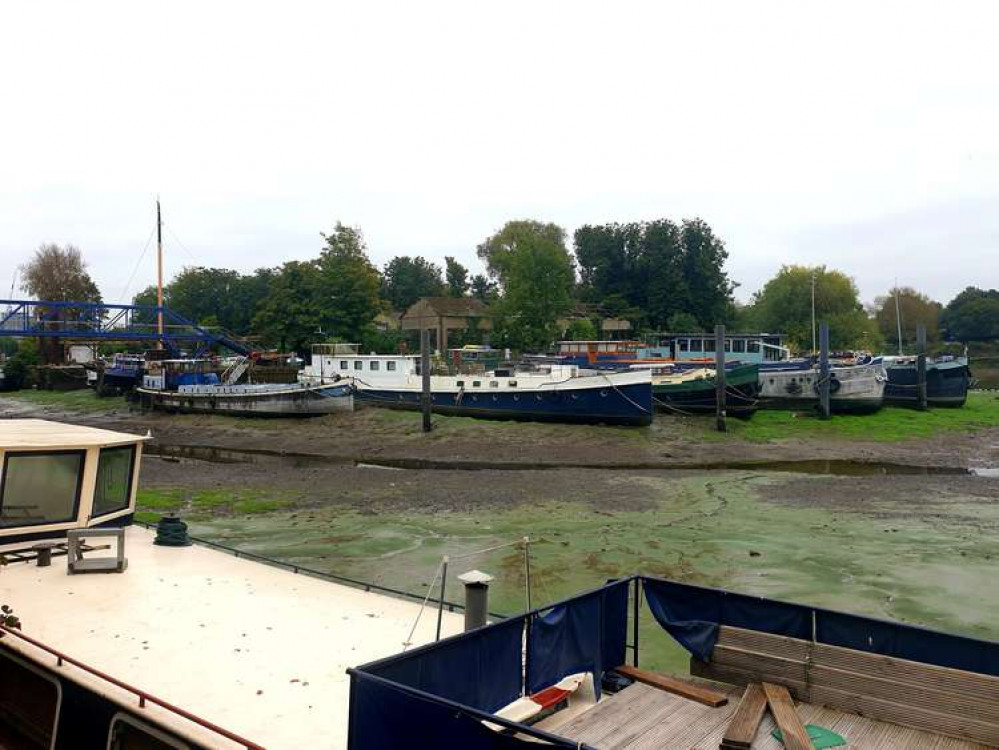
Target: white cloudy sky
861	135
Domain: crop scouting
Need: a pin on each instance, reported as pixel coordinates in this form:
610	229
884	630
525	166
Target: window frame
44	674
374	365
131	479
358	364
81	452
155	732
390	366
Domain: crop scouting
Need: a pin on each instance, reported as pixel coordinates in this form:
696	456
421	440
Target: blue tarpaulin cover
586	634
383	717
481	669
693	614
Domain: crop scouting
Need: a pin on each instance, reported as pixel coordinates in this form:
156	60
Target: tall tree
785	305
538	278
291	314
457	277
58	274
973	315
349	296
497	251
407	279
914	309
707	285
482	288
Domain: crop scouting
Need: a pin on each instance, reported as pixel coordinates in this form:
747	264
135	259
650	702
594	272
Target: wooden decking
644	718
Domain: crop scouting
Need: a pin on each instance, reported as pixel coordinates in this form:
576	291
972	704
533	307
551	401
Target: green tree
581	329
457	277
349	297
784	305
709	291
538	278
406	279
482	288
498	250
973	315
147	297
290	315
59	274
915	308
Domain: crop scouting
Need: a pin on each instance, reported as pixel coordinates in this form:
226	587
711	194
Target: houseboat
693	391
552	392
852	388
122	374
947	381
683	350
197	386
188	646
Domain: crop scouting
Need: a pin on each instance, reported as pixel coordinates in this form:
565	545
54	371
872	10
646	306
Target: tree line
659	275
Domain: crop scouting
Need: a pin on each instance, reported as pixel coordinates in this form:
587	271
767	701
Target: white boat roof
253	648
27	434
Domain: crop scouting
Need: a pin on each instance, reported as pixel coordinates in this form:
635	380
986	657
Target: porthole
575	396
537	396
495	397
603	392
516	397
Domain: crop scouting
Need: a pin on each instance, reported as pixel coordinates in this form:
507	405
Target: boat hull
742	388
947	384
629	404
858	389
313	401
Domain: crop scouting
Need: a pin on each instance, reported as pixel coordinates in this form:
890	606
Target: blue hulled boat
947	381
549	393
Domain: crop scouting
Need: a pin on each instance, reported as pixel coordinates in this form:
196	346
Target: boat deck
256	649
643	718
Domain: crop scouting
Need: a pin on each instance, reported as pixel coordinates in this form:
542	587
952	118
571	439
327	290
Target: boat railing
142	695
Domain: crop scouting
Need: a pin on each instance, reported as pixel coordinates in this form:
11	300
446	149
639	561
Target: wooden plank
793	732
697	693
742	728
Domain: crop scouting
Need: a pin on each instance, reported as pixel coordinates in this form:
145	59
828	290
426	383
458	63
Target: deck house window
739	346
114	480
494	384
343	364
358	364
709	345
728	345
695	345
753	347
684	345
476	383
375	365
390	366
41	487
29	705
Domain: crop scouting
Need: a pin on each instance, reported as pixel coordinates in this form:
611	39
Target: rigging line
430	589
182	245
138	263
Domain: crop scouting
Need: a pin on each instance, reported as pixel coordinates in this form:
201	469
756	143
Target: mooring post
824	407
720	378
425	374
440	604
921	367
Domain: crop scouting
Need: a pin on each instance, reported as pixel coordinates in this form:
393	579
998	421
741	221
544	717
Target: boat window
684	345
728	345
512	383
128	733
739	345
114	480
343	364
358	364
30	702
390	366
41	487
494	384
476	383
460	384
709	345
753	347
375	365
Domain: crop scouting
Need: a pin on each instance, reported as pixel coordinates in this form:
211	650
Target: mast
159	274
813	311
898	319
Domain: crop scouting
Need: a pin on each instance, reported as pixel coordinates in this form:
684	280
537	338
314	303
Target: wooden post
425	374
720	378
921	367
440	604
824	406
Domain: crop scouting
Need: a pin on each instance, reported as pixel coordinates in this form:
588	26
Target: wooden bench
947	701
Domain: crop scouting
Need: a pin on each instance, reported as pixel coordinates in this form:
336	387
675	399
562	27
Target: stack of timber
942	700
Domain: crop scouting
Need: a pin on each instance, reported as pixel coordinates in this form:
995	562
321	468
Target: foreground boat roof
253	648
27	434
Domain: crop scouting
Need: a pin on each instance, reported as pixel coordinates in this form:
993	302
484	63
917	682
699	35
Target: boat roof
27	434
256	649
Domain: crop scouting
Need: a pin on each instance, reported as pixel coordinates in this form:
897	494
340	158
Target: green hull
742	388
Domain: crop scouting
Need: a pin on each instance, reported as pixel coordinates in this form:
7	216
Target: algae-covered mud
921	549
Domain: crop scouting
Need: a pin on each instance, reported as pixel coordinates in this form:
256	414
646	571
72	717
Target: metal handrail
141	694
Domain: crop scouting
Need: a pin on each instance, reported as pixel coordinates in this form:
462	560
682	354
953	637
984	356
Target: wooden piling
824	375
720	378
921	367
425	378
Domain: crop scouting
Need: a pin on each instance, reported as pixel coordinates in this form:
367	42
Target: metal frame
106	322
7	454
134	447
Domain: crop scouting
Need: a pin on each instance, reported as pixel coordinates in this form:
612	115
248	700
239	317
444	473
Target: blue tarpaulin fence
439	695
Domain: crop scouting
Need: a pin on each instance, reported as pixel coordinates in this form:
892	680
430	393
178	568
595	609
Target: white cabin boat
853	388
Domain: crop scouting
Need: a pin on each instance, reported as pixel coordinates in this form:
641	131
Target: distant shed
443	314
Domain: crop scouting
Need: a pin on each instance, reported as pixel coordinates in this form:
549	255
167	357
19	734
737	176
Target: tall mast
159	274
813	311
898	319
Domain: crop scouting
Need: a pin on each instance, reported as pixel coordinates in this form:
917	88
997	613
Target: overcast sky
857	134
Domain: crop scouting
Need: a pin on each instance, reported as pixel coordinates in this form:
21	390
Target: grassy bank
83	400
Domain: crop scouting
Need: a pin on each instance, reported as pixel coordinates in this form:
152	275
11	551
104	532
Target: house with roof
443	314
